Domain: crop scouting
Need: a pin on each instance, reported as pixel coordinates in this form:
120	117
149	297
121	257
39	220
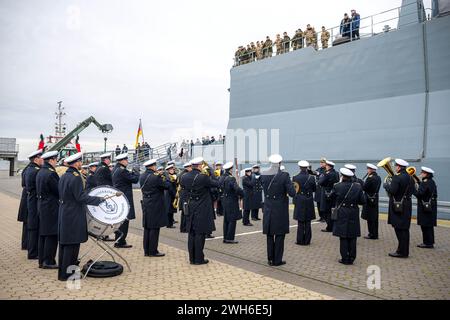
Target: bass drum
106	218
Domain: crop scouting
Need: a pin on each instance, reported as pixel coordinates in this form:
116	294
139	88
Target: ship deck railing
369	26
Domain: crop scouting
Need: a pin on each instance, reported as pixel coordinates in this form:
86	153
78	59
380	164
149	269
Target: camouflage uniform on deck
258	50
324	38
267	48
279	44
286	42
310	37
297	40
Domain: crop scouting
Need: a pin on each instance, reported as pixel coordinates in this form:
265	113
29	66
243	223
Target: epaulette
425	180
51	169
370	176
156	174
75	174
37	168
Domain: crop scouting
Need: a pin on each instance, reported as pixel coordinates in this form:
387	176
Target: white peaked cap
428	170
350	166
228	165
74	158
50	154
401	162
187	164
330	163
275	158
106	155
371	166
197	160
347	172
303	164
122	156
150	162
35	153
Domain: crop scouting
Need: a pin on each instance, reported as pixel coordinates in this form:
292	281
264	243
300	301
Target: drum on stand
106	218
103	220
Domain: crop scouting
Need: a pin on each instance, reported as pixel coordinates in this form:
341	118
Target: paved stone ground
425	275
171	277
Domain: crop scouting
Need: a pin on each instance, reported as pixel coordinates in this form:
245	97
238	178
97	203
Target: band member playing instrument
248	183
182	196
218	172
22	215
370	211
103	175
230	202
277	187
154	215
352	168
90	180
123	180
256	199
347	195
304	210
199	215
169	194
327	181
427	207
400	189
48	207
318	194
72	223
33	216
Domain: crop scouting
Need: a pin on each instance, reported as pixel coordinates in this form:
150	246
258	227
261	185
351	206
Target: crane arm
105	128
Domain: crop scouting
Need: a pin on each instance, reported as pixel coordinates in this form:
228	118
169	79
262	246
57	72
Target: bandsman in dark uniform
154	215
103	175
170	194
218	172
248	183
400	189
318	194
199	218
123	180
22	215
327	181
370	211
48	207
352	168
304	210
33	215
277	186
257	200
90	180
232	194
348	195
427	207
72	222
182	196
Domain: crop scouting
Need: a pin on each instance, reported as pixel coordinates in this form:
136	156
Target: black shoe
230	241
33	258
175	221
397	255
40	266
171	227
425	246
122	246
203	262
345	262
107	238
49	266
158	254
371	238
325	230
210	236
279	263
301	244
248	224
270	263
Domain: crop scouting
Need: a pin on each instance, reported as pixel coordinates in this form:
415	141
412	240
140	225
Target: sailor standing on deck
232	193
427	207
154	214
370	211
72	223
90	180
304	203
318	194
182	196
400	189
248	183
256	199
103	175
277	186
123	180
348	195
352	168
33	216
48	207
199	215
327	181
170	194
22	215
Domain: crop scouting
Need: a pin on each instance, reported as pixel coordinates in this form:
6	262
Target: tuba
206	169
386	165
412	172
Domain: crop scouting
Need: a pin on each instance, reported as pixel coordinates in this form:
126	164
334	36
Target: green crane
105	128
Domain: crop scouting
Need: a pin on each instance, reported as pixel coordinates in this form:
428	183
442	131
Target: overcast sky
166	62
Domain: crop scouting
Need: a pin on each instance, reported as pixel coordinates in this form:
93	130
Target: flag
41	143
139	133
77	144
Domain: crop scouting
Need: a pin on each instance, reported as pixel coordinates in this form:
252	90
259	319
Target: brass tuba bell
386	165
412	172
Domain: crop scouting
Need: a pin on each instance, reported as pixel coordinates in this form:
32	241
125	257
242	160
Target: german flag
140	133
